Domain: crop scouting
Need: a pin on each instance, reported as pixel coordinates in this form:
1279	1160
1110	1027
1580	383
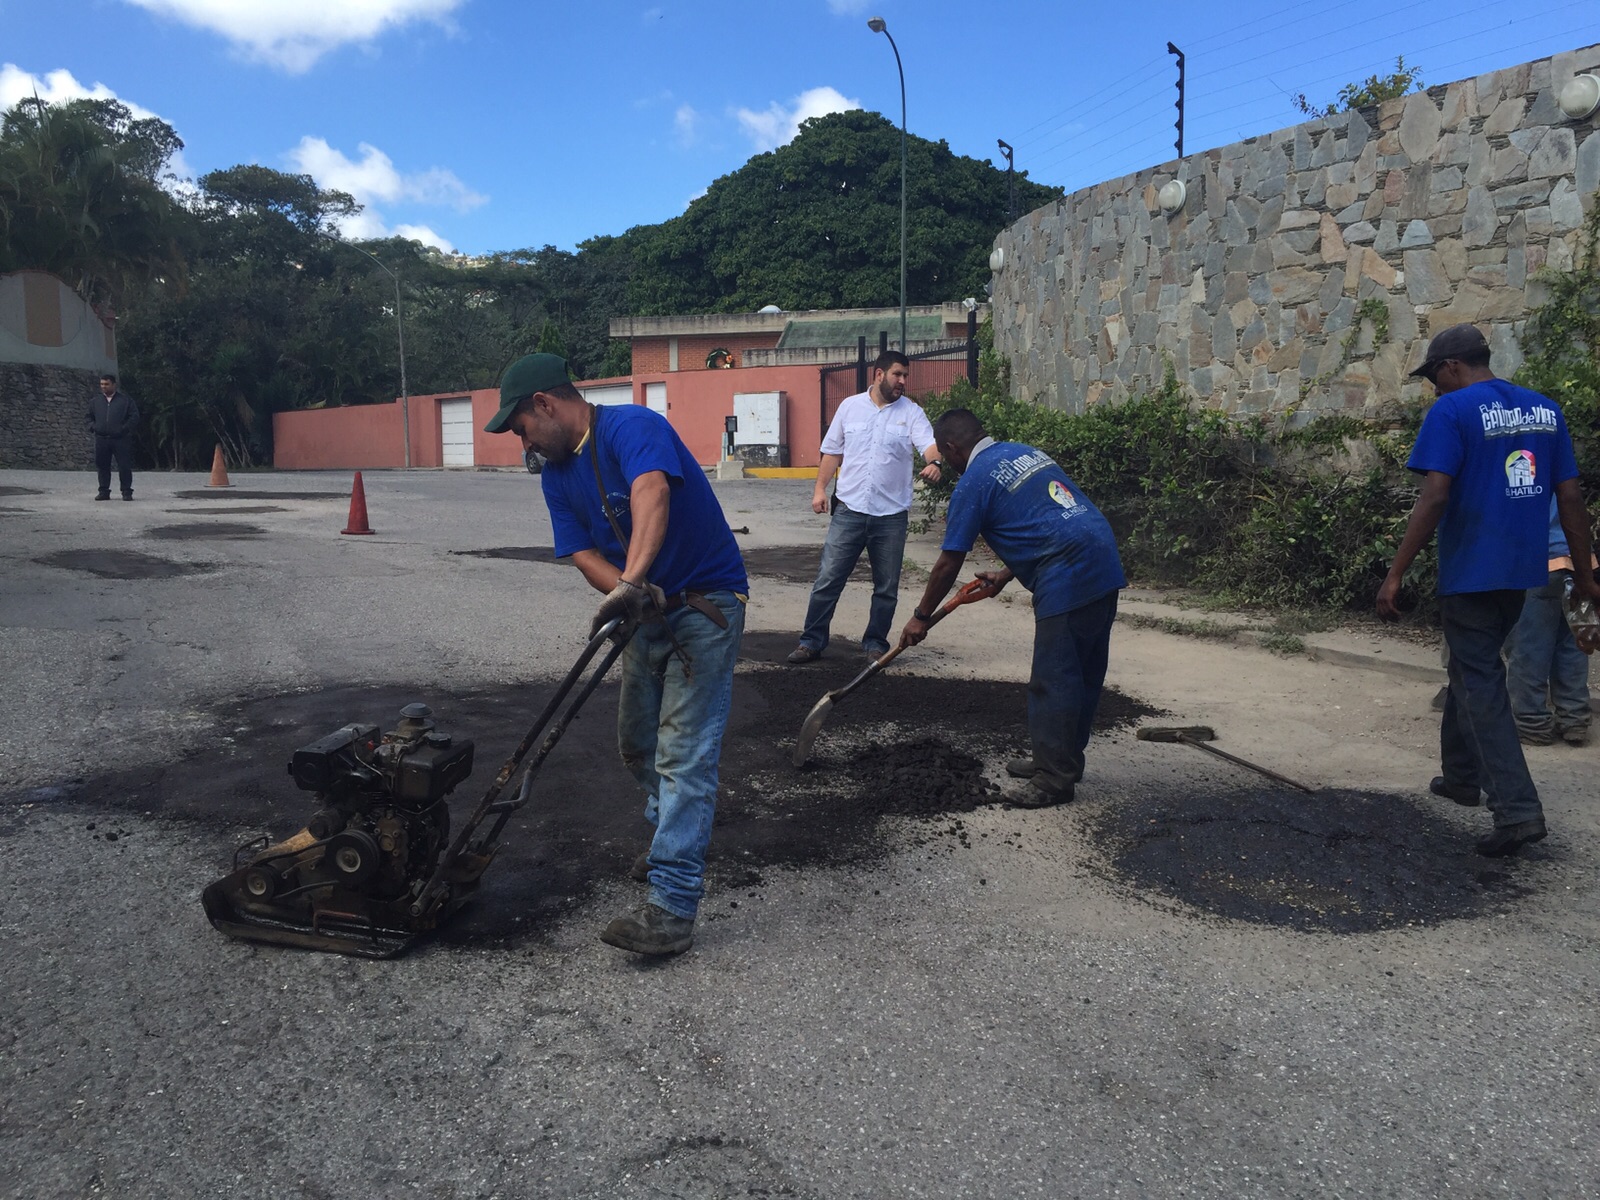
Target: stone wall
43	416
1442	206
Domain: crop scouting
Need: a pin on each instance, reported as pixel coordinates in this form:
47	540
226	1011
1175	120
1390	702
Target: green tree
816	224
79	197
1375	89
550	340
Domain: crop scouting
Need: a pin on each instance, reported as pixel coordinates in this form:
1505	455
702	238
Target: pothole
257	494
122	564
201	531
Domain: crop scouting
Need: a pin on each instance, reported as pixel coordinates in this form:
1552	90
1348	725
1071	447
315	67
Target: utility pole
1011	181
1171	49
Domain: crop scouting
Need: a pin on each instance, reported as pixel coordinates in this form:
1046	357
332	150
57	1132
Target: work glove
633	602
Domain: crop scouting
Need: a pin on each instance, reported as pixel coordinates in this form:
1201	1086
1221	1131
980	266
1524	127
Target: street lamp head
876	24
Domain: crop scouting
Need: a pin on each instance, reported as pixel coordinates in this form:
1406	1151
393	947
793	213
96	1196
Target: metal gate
932	371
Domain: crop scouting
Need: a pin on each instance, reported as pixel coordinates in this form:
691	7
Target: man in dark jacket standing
113	416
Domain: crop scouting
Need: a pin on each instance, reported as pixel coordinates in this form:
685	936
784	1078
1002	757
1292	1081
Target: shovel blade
813	725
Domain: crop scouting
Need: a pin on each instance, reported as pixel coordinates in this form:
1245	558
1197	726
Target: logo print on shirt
1499	421
1062	495
1520	474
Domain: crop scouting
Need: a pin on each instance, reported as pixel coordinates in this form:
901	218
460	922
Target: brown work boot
640	871
803	654
651	930
1021	768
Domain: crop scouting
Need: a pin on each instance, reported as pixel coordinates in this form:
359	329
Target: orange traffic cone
358	509
219	470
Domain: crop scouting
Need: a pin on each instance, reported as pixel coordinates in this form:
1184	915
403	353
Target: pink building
809	377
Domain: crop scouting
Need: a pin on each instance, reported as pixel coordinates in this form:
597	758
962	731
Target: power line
1135	116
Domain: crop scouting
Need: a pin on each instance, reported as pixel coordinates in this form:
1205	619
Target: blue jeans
849	533
669	729
1070	652
1478	744
1544	667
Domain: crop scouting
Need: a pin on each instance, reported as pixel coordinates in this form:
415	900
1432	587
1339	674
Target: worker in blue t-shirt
634	511
1545	669
1492	454
1059	545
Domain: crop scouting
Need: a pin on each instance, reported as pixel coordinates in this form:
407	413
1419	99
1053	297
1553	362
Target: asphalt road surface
1191	982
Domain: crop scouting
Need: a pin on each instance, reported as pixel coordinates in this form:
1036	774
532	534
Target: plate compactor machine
376	866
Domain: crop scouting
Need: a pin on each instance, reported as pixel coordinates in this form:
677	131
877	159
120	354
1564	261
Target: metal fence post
861	363
972	347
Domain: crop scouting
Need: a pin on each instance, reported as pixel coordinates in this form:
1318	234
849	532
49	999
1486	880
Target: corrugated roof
842	333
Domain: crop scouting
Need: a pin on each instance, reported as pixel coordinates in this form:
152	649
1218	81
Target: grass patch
1220	631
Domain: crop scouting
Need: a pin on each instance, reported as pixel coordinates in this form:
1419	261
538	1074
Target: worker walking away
634	511
870	443
1059	545
1491	455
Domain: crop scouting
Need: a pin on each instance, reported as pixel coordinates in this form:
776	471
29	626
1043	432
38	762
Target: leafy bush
1245	509
1561	345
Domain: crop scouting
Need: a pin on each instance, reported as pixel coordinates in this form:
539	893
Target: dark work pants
1070	652
1478	744
106	448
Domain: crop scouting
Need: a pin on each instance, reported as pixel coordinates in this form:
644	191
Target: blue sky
483	125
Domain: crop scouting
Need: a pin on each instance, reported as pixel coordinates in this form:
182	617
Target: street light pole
878	25
400	333
1011	180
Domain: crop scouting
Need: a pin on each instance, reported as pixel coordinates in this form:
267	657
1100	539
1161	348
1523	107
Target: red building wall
698	402
652	355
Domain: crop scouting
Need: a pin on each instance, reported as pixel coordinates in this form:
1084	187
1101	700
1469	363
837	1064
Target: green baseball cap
529	374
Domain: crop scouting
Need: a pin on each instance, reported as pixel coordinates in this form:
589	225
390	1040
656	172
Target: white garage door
614	393
455	428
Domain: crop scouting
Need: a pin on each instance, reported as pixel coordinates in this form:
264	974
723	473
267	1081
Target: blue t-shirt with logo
1054	540
699	552
1505	449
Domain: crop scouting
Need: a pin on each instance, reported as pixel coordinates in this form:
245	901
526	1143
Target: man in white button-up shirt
870	444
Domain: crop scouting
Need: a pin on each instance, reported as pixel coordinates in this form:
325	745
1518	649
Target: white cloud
55	87
367	225
777	124
373	178
686	123
421	233
293	34
850	8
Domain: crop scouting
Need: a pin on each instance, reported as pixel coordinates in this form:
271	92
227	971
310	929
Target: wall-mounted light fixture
1580	96
997	259
1172	195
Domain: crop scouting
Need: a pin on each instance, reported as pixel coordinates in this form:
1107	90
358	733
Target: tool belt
698	602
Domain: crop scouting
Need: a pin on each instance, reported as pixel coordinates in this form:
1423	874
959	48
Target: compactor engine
350	879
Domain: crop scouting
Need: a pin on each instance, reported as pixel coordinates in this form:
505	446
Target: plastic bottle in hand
1583	619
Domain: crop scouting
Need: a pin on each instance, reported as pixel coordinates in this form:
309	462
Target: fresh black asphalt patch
538	554
201	531
248	494
1342	861
122	564
229	510
12	489
905	746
